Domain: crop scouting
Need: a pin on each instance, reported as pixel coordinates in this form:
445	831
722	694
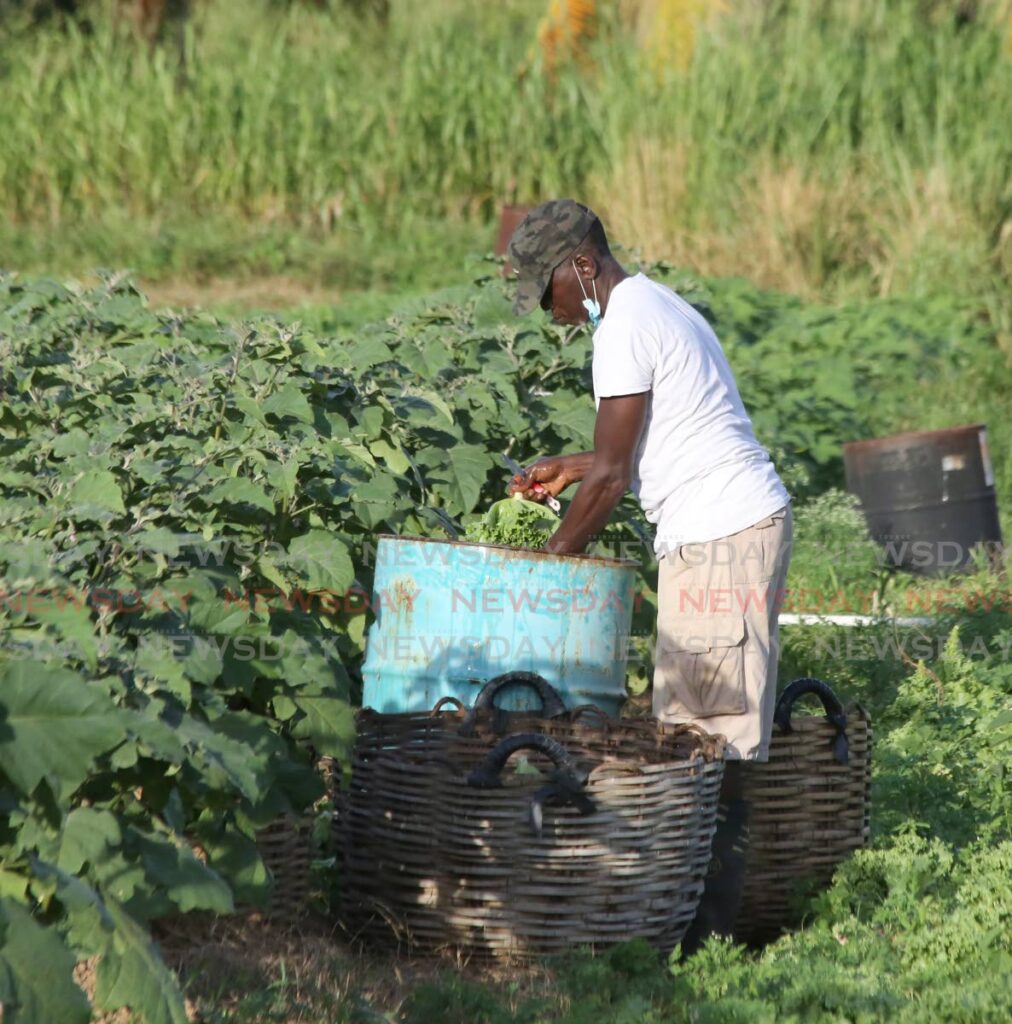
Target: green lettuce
515	522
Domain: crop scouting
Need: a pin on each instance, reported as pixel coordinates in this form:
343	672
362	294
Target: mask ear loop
593	308
580	282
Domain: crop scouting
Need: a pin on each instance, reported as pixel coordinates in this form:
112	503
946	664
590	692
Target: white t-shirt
699	473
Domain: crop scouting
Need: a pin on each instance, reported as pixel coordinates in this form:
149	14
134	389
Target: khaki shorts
718	642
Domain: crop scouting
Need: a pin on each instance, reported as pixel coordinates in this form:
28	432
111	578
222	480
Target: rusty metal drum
451	615
928	497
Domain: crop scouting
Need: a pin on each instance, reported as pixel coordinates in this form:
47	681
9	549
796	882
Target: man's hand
554	473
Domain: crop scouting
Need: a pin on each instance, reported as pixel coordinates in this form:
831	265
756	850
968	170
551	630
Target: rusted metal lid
911	437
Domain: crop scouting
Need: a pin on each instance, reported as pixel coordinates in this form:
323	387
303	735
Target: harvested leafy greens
516	522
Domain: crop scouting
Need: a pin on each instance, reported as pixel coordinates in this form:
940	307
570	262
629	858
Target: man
671	426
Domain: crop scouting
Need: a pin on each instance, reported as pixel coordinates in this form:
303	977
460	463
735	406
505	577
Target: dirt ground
274	292
252	968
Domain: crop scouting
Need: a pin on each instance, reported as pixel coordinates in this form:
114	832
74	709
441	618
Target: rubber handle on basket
835	714
566	786
552	705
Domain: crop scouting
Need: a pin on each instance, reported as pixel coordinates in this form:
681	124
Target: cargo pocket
700	669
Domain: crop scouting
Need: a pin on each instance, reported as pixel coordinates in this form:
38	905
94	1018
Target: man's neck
612	274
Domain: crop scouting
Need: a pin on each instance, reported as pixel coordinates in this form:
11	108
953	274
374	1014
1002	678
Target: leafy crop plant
515	522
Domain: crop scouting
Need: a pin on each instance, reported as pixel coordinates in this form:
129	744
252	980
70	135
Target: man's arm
617	431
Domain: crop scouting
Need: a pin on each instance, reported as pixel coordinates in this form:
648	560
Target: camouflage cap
543	239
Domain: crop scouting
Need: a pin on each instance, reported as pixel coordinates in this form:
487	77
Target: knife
552	503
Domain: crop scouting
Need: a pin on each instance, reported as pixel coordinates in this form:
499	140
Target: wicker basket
810	808
604	837
288	847
420	732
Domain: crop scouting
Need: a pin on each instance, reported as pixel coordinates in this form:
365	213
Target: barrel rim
911	435
526	553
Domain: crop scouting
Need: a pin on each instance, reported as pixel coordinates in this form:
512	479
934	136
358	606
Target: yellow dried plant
668	30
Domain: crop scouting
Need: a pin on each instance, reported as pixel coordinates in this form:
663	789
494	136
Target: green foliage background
188	504
187	508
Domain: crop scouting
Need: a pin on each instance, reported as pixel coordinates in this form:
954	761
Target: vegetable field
188	510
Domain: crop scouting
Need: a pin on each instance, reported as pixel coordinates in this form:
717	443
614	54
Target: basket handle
552	705
566	787
590	711
835	714
445	702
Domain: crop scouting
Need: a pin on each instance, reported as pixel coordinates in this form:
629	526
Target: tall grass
855	143
845	146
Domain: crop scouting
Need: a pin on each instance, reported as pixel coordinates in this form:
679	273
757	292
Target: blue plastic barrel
450	615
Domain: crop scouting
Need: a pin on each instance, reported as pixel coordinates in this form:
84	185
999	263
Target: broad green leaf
36	973
424	410
160	540
251	409
73	442
572	418
284	708
463	476
73	625
122	878
370	420
394	458
53	724
201	657
26	563
86	837
155	736
88	928
359	451
96	490
492	308
328	723
13	885
322	560
310	670
436	401
249	658
157	668
381	489
225	763
1001	721
219	615
288	401
365	353
124	756
283	477
356	629
236	857
132	974
188	883
271	573
239	490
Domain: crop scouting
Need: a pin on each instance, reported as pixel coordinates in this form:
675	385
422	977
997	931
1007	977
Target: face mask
591	305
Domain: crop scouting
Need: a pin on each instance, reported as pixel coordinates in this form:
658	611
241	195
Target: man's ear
587	266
